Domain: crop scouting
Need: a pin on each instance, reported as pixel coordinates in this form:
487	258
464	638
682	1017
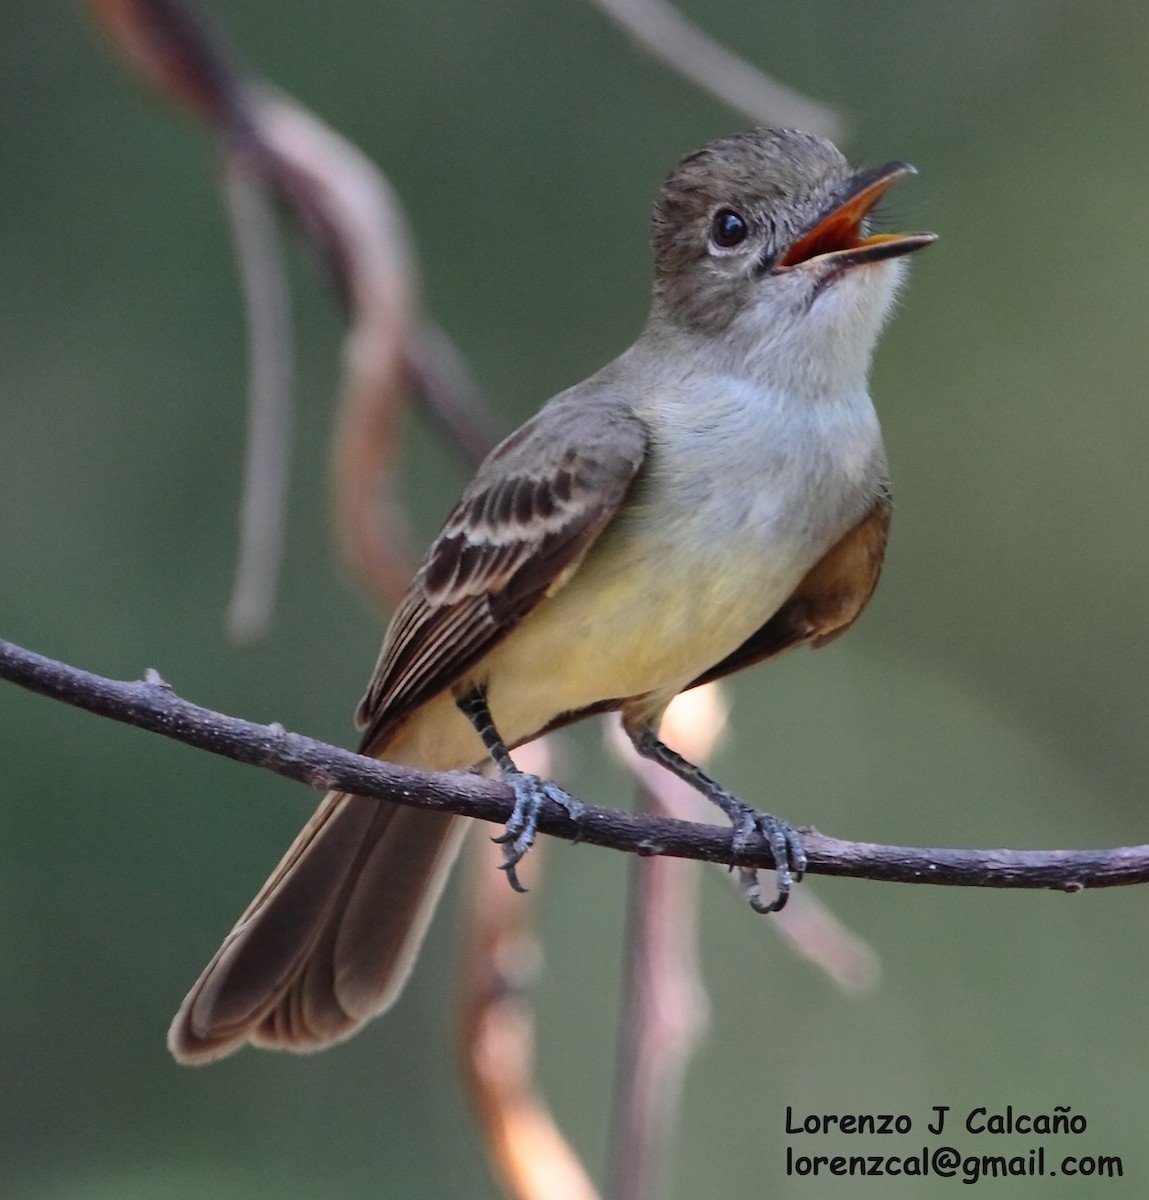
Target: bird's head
762	244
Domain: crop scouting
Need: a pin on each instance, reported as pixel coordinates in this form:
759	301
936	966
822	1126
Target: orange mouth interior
842	229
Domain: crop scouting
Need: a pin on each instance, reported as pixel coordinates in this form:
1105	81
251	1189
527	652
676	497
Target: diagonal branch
660	29
151	704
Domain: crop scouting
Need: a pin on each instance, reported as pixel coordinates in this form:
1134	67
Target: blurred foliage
995	694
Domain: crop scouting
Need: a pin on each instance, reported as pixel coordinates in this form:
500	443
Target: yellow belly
633	620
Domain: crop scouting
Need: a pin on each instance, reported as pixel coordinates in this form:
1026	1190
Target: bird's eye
728	229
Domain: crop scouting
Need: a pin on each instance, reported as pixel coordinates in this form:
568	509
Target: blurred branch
665	1006
663	31
151	704
264	501
174	51
353	219
813	931
501	959
439	377
353	222
173	48
806	924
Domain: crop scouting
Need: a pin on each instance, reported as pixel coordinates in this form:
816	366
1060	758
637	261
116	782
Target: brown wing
827	602
519	532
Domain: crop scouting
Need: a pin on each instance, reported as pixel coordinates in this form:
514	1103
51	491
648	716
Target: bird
715	495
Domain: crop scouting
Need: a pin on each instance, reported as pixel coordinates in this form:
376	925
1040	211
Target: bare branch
155	706
264	287
350	217
665	1006
174	51
663	31
806	924
501	959
816	933
171	46
439	376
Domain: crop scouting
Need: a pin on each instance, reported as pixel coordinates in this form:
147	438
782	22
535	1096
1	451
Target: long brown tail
330	940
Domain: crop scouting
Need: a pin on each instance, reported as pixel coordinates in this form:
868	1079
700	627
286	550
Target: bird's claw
519	834
786	847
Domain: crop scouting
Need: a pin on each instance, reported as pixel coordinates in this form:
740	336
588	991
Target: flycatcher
714	496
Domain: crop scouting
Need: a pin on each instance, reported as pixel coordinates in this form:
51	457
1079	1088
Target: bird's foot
531	793
785	844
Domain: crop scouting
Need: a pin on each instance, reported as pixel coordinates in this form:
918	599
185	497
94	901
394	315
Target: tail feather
330	940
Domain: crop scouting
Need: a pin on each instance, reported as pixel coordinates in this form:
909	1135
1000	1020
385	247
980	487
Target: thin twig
663	31
155	706
816	933
352	220
173	47
352	216
264	501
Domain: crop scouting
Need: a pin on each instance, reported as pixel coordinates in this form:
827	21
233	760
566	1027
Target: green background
995	694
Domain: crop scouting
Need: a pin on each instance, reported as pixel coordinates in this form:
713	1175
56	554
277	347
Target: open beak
836	237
